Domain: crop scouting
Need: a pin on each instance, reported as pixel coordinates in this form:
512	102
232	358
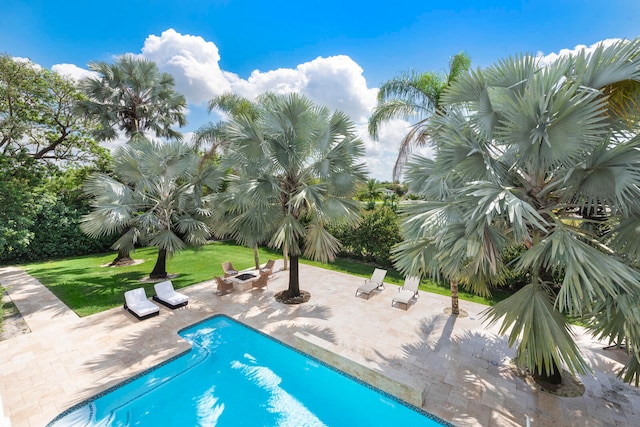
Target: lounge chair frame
407	293
376	282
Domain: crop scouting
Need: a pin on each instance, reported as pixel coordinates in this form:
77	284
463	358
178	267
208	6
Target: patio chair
407	292
268	267
136	303
223	285
166	295
261	282
228	269
376	282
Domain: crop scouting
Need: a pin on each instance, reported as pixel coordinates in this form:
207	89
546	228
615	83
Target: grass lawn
87	287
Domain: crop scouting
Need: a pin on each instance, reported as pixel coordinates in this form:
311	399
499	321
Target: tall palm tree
156	197
231	104
296	166
133	96
414	96
537	157
230	219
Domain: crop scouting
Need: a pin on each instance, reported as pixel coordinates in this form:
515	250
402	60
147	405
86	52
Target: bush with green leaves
371	240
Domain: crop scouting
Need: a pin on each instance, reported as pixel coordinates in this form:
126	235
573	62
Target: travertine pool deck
460	365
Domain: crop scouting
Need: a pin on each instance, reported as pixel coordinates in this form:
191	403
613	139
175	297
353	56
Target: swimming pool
235	375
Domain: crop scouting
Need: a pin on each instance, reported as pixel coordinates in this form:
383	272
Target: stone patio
460	366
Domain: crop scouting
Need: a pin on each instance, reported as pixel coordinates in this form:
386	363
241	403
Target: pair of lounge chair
405	294
137	303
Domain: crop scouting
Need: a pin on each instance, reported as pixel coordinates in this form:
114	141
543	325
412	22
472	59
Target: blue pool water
234	376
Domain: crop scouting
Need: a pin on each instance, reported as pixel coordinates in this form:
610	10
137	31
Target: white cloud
552	57
27	61
336	82
191	60
73	71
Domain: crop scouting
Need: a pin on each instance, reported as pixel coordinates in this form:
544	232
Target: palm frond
541	333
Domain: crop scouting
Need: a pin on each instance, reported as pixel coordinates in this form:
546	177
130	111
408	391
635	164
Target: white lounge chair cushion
368	287
376	282
136	300
408	291
404	296
165	292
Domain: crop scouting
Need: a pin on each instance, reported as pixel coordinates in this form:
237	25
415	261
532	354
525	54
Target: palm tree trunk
294	278
160	270
545	378
123	258
285	258
256	256
455	306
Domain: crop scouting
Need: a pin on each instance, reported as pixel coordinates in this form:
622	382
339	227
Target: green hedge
52	231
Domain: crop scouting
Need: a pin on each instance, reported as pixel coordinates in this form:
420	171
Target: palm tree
133	96
414	96
296	167
537	157
371	193
230	219
156	197
229	103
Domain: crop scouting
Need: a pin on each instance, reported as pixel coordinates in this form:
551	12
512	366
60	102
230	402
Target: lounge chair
376	282
408	292
268	267
223	285
261	282
136	302
165	294
228	269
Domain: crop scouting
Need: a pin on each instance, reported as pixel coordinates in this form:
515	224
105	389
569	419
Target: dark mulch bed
283	297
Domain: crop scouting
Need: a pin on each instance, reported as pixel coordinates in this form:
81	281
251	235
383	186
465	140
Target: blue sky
335	52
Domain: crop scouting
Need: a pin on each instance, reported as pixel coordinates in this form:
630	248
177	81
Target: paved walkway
461	365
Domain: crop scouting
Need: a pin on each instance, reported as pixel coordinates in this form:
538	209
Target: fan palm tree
295	168
413	96
133	96
229	103
230	219
538	157
156	198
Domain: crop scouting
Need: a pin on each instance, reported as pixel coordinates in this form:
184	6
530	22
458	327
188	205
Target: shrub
372	239
54	232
